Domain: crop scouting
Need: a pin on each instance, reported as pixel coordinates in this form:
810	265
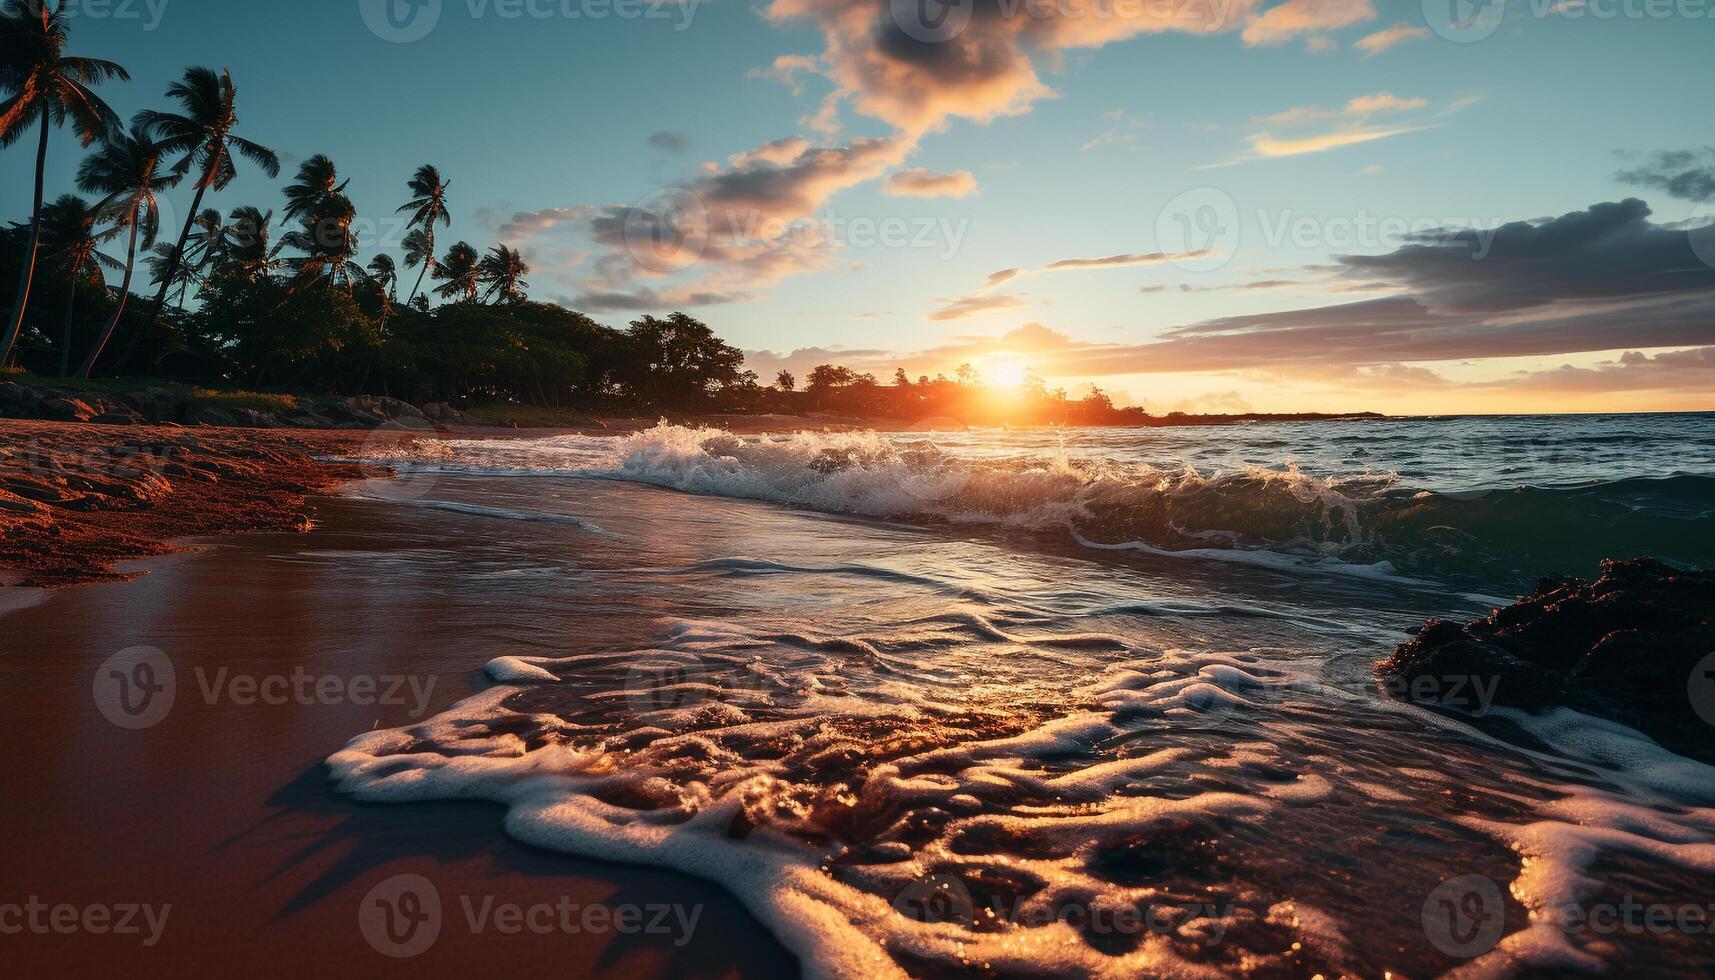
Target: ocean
1045	702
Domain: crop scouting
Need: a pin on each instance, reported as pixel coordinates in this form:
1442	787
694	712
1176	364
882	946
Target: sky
1196	205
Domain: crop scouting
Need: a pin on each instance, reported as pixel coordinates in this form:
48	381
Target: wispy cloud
922	182
1374	44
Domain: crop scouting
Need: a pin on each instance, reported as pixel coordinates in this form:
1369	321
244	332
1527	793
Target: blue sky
1072	156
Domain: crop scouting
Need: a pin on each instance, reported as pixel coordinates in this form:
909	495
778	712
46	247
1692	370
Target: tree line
253	299
270	301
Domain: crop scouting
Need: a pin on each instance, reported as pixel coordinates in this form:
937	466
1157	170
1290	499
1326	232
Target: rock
62	409
156	404
1628	646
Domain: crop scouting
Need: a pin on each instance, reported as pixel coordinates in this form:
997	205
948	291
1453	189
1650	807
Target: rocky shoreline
163	405
76	499
1629	646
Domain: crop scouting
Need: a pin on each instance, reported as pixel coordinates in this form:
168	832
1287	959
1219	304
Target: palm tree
317	182
420	250
127	169
428	205
386	275
73	249
244	250
164	262
203	135
462	270
329	247
45	85
503	271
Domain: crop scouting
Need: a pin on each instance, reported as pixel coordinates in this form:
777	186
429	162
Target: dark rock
1627	647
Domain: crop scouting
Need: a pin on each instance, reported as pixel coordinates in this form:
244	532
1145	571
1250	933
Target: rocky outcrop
74	499
1632	646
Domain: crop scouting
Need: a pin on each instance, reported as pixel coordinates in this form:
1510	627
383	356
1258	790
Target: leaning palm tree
203	136
428	205
462	270
503	271
73	249
128	170
420	251
317	182
245	251
386	275
329	247
45	85
167	268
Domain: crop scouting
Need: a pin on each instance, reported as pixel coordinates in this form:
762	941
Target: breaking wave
1368	522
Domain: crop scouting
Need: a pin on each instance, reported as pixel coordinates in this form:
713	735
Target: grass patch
507	414
255	400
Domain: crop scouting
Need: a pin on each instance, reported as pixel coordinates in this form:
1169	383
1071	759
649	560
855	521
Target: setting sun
1004	373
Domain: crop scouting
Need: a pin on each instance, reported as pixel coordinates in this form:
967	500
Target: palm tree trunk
124	295
65	343
412	298
27	275
172	270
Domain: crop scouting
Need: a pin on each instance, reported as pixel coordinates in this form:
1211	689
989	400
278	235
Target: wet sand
223	811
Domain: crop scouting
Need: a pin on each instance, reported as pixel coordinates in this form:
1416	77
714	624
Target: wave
1281	516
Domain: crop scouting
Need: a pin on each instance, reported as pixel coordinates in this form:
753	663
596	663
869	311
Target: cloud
669	142
1296	18
1691	371
1117	261
987	69
1374	44
1348	125
922	182
964	306
1686	174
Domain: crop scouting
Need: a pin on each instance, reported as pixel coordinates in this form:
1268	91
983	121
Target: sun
1004	373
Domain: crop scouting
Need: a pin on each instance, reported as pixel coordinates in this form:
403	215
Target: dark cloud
669	142
1686	174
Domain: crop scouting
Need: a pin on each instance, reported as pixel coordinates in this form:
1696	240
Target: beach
878	705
